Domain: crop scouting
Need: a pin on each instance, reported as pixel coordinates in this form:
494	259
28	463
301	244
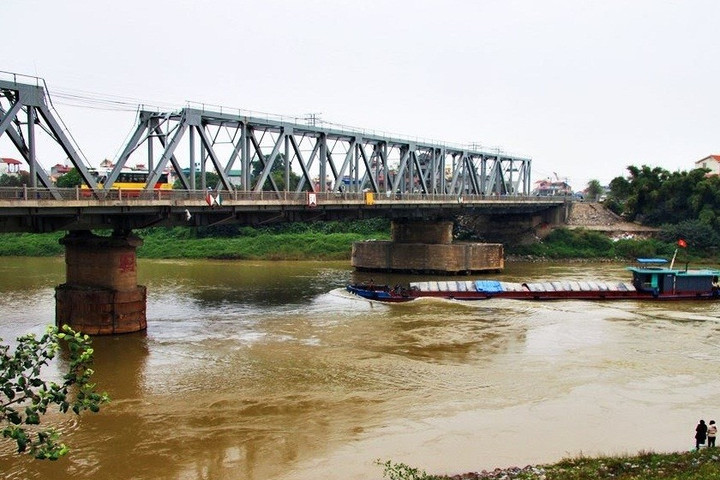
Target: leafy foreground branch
25	396
702	465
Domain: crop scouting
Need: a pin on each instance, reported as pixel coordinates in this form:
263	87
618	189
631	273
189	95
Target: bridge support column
426	247
100	295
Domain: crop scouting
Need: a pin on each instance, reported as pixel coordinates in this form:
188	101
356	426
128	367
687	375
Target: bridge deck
36	210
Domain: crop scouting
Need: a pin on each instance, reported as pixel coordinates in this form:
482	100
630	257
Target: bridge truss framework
324	159
252	154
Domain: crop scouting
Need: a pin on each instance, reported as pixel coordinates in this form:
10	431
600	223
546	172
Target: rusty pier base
426	247
100	295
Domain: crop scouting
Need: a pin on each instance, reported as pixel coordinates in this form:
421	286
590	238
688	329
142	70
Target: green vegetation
31	244
212	179
276	176
657	197
702	465
25	395
15	180
684	205
293	241
70	179
594	190
400	471
581	243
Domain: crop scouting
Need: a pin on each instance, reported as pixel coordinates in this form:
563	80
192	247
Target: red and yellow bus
130	182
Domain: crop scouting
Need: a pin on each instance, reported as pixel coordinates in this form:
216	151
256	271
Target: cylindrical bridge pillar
100	295
422	232
426	247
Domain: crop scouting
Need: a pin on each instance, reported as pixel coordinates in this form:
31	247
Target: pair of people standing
702	431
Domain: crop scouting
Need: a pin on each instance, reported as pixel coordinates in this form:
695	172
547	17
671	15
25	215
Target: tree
594	189
14	180
69	180
212	180
277	172
25	396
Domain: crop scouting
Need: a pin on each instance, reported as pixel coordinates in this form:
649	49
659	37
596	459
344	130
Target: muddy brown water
259	370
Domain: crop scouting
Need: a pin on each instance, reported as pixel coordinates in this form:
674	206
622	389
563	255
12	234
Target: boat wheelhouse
651	277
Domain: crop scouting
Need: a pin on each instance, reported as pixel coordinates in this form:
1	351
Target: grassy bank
297	241
267	246
564	243
333	241
702	465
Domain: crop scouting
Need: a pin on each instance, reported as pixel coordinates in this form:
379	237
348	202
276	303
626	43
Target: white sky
584	88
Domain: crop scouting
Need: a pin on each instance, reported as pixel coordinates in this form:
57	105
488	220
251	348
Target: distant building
548	187
10	166
106	165
57	171
711	162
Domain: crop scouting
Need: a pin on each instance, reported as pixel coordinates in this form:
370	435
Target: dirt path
594	216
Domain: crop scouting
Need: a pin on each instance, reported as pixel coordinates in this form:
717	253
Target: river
269	370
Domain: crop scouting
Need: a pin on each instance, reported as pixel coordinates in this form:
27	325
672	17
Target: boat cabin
651	277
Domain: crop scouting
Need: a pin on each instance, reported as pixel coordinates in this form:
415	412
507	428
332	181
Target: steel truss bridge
266	169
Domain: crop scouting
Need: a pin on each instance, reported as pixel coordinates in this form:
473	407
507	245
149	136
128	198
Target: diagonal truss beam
23	107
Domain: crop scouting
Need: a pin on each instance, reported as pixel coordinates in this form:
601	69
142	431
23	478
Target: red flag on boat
682	243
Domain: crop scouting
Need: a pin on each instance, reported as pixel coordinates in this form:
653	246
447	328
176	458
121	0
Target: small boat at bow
649	281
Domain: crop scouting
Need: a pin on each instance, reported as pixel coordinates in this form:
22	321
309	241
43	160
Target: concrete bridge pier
100	295
426	247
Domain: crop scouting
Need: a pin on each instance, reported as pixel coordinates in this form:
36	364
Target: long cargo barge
649	281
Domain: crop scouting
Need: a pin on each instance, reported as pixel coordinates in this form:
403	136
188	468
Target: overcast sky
584	88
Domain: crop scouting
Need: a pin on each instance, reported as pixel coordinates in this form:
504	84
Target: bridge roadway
37	210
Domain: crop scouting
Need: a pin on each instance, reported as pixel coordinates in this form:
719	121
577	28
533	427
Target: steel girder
23	107
254	154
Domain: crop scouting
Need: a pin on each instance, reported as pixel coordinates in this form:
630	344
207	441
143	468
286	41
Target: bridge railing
219	197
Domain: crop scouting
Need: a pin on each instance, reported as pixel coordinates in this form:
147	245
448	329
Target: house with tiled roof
711	162
9	166
58	170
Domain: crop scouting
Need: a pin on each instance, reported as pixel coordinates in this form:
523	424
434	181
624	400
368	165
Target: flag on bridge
218	200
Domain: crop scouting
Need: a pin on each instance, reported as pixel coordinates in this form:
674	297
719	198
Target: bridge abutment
100	295
426	247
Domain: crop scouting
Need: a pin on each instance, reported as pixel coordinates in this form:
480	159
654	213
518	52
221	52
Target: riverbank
322	241
702	465
333	241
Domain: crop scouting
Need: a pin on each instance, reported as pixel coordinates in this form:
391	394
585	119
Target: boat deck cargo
649	281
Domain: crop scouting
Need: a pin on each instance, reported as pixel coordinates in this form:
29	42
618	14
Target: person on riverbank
700	434
711	433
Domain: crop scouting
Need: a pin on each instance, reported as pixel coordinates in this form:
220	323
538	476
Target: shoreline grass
702	465
333	241
326	241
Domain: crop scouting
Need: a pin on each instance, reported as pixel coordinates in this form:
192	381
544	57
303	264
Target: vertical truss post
483	175
191	140
31	146
247	159
286	138
151	128
323	161
203	172
527	178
